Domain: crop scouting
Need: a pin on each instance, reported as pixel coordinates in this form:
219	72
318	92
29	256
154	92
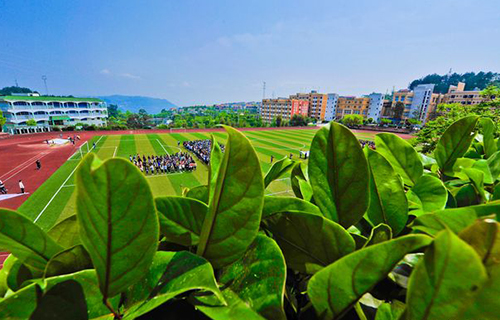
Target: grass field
55	199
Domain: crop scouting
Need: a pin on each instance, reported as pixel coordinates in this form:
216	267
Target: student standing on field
38	165
21	186
272	158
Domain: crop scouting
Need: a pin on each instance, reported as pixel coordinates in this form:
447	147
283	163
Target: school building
48	111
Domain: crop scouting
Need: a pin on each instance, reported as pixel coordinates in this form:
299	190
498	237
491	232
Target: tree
298	120
491	93
352	120
385	121
279	121
31	122
113	110
472	80
10	90
2	120
430	134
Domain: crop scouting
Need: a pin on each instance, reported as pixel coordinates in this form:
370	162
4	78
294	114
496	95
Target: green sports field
55	199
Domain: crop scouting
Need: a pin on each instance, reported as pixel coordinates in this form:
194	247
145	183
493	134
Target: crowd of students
168	163
201	148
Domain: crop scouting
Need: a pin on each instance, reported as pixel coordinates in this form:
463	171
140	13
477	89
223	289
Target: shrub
361	219
90	127
56	128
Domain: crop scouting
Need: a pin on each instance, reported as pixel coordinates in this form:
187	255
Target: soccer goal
81	151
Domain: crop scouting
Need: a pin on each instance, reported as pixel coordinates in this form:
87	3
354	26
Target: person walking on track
38	165
21	186
2	188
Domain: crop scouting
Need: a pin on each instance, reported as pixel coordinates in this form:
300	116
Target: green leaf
90	285
18	275
484	237
454	142
455	219
216	158
467	196
427	195
64	300
477	179
258	278
489	129
379	234
181	219
21	304
309	242
25	240
427	161
68	261
199	193
118	221
300	182
235	206
273	204
338	172
388	203
65	233
235	308
171	274
402	156
446	280
278	169
337	287
486	303
390	311
496	192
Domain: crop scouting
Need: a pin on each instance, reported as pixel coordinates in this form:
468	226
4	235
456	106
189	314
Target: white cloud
105	71
186	84
130	76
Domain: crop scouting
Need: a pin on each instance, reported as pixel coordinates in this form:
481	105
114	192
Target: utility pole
44	78
263	90
17	84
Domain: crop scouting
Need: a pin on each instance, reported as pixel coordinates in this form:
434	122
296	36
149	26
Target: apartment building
420	103
331	106
50	111
375	106
352	105
286	107
317	103
458	94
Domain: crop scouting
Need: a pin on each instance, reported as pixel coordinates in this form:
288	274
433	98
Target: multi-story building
331	106
375	107
352	105
420	103
285	107
317	103
50	111
457	94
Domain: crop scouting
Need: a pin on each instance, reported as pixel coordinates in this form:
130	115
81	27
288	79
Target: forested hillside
472	80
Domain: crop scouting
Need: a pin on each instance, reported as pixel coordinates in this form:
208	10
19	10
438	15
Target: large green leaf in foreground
337	287
338	172
278	169
235	205
388	202
118	221
402	156
181	219
427	195
309	242
258	278
25	240
171	274
454	142
446	281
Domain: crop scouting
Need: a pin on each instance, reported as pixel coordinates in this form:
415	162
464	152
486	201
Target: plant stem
359	311
110	307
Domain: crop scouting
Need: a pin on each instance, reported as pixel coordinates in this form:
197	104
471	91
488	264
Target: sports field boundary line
60	188
161	144
114	153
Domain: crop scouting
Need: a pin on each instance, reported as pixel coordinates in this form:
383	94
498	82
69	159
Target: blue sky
197	52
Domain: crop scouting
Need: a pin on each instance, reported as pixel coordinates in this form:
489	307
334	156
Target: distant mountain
134	103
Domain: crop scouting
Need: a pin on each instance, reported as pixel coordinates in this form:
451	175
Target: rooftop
48	98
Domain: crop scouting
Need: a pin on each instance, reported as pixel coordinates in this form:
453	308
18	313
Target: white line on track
60	188
114	153
26	166
29	160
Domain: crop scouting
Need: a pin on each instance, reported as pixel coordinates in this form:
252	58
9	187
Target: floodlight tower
263	90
